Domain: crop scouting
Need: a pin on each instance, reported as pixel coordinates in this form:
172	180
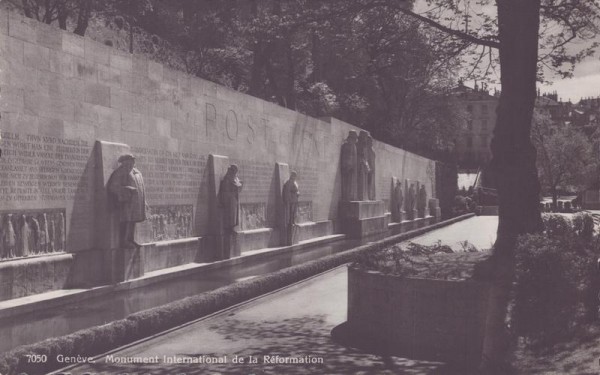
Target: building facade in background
473	142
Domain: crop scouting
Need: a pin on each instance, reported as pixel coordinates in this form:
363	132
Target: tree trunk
513	165
62	15
513	161
554	200
83	18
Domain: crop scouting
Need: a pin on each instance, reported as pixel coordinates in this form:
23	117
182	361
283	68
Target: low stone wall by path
97	340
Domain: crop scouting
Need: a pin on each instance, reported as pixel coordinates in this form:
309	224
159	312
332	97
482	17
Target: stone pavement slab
480	231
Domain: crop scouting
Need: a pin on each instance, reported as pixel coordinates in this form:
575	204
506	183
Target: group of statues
358	167
229	205
23	235
127	193
414	204
127	196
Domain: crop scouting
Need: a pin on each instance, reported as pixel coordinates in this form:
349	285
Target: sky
586	78
585	82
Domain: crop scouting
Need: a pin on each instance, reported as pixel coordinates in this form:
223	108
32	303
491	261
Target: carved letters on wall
26	233
171	222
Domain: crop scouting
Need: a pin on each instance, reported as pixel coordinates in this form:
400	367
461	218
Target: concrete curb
96	340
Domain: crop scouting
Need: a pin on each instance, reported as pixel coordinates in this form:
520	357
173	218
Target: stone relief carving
28	233
305	212
253	216
171	222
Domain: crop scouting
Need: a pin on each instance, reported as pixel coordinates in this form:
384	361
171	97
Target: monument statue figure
229	190
44	236
422	201
25	237
410	202
348	163
363	167
229	204
397	201
35	236
290	194
10	237
126	186
371	174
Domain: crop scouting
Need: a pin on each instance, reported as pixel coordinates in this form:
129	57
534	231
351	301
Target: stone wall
60	93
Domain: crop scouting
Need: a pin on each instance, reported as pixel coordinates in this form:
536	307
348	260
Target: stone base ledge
408	225
362	209
254	239
360	228
314	229
173	253
27	276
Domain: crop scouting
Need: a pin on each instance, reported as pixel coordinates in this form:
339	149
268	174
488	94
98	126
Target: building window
470	142
484	109
484	124
470	124
469	108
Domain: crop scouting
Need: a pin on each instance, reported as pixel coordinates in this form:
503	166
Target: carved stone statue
10	237
371	175
127	193
289	194
34	238
229	204
229	191
44	236
362	166
25	237
348	162
397	201
422	201
410	202
61	235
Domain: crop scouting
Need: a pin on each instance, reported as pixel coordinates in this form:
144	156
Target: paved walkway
293	323
480	231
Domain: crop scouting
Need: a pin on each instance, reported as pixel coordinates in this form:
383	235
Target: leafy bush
545	298
556	278
435	261
557	225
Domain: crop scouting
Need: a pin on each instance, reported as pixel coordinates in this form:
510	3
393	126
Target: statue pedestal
363	218
127	264
435	210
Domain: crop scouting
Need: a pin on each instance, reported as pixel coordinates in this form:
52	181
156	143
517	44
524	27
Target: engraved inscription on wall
305	213
42	168
253	216
26	233
169	175
171	222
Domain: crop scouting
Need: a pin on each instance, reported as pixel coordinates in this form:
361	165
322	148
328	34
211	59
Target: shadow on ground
296	337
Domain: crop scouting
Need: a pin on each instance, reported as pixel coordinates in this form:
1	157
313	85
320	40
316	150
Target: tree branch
457	33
